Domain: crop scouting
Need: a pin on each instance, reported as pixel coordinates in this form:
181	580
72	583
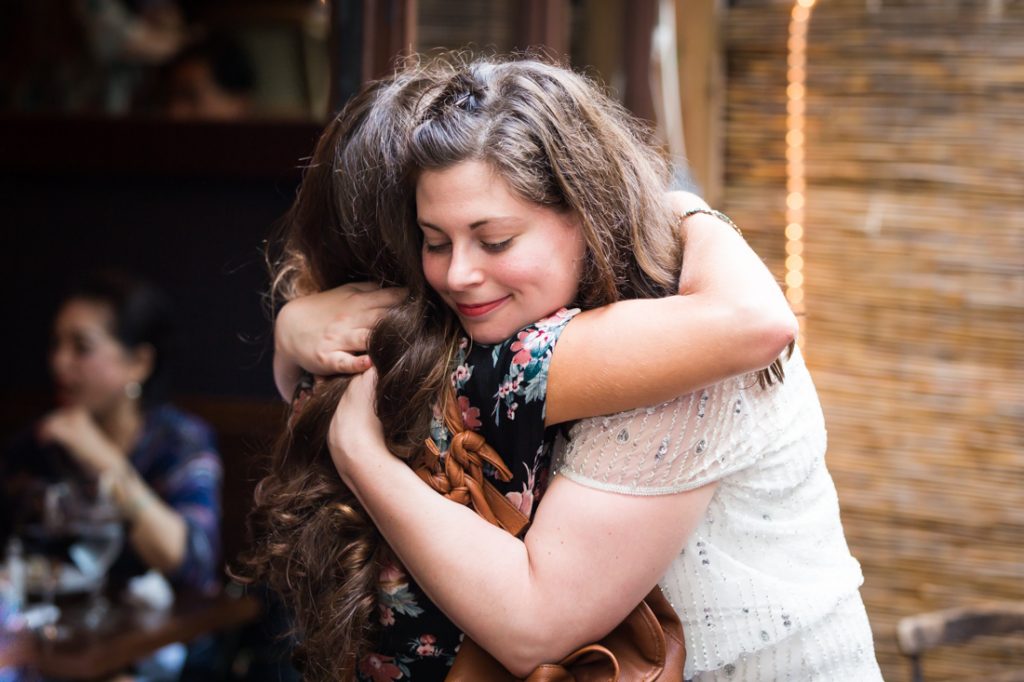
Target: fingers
384	298
363	287
350	336
358	322
340	362
379	296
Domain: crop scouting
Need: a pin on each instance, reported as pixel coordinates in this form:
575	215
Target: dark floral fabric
502	391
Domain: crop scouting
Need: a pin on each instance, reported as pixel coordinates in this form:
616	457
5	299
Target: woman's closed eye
490	247
439	247
496	247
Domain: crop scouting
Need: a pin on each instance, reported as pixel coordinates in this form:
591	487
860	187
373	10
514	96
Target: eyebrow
473	225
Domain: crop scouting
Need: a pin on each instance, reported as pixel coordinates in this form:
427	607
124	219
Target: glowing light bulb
796	181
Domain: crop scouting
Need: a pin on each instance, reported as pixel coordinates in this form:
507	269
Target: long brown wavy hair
311	541
558	141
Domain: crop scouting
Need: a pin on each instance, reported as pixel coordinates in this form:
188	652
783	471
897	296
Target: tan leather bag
647	646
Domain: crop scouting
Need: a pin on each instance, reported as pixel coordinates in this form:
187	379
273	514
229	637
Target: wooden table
126	635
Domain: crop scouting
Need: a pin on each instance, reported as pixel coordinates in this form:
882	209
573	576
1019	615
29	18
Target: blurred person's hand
326	333
74	429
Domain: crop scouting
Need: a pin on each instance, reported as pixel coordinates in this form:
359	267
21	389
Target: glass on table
98	532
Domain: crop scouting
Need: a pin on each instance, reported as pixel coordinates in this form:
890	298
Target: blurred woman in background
158	465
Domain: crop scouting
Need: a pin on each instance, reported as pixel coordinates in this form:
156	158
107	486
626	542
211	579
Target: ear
141	361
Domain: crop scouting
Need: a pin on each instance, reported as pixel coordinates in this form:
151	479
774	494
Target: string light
796	182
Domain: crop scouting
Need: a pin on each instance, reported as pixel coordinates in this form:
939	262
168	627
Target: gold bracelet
138	503
714	214
132	495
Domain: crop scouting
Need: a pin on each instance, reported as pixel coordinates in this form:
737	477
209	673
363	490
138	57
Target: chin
490	332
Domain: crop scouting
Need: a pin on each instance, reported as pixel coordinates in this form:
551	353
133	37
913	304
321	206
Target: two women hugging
505	229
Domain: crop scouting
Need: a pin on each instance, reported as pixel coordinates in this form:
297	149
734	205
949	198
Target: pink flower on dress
391	577
511	414
522	357
556	318
524	500
380	668
527	341
387	615
426	645
470	414
391	572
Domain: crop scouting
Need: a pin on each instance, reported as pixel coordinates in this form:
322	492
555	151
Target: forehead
466	191
82	315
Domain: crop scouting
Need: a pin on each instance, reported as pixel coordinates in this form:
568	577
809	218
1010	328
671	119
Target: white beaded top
769	559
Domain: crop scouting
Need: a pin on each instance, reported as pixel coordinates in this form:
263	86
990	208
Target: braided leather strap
461	476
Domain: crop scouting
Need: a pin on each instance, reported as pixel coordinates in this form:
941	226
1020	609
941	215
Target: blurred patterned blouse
176	456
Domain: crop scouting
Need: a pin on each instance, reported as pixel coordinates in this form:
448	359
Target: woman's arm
587	560
730	318
158	532
324	333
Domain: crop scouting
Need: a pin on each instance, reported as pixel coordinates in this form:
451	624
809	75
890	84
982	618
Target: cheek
564	264
434	271
522	273
103	373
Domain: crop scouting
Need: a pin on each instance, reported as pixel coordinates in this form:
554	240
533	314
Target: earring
133	390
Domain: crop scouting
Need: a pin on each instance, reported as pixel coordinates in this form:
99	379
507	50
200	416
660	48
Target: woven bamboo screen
915	285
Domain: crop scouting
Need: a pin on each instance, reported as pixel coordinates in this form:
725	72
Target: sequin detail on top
660	450
767	572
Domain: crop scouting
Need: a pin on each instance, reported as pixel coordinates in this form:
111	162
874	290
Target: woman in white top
721	496
766	586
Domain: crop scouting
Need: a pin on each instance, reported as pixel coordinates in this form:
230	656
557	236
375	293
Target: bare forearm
588	559
731	319
159	536
478	574
286	374
158	532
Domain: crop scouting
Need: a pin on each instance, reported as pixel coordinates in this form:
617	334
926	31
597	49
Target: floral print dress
502	390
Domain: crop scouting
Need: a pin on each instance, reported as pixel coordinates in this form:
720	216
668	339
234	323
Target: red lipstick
478	309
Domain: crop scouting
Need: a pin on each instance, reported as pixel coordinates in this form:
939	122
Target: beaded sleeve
681	444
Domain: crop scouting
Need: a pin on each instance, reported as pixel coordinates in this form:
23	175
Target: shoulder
178	432
532	342
510	378
680	444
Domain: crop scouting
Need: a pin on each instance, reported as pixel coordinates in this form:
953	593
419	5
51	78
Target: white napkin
150	590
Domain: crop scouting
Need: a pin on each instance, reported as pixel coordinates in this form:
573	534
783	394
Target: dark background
196	230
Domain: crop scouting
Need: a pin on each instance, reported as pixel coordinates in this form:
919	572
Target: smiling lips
478	309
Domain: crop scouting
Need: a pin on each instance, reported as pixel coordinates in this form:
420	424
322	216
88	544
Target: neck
123	424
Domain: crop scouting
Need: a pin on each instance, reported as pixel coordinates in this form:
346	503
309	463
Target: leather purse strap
560	672
461	476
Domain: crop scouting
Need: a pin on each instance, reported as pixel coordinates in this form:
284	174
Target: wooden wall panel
915	285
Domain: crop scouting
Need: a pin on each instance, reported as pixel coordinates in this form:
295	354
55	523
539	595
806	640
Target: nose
464	269
61	360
